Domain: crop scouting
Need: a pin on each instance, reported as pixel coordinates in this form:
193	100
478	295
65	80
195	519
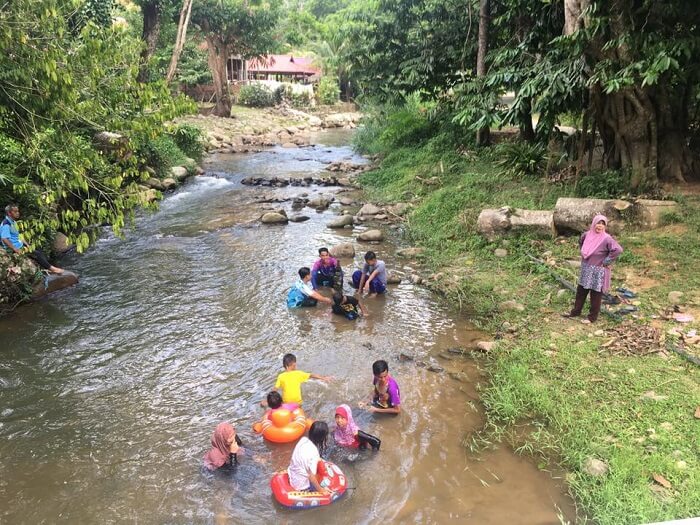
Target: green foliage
521	159
328	91
189	139
162	153
256	95
606	184
17	277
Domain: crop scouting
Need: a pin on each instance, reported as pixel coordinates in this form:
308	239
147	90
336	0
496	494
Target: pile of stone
572	215
279	182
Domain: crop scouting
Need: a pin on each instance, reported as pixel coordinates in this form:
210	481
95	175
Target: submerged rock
299	218
371	235
345	249
273	217
341	222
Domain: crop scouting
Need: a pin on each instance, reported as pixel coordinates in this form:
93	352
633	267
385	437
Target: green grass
579	401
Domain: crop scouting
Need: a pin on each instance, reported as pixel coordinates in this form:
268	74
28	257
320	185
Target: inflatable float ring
283	426
330	476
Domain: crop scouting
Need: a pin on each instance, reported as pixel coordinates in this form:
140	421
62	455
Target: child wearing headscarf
225	447
598	251
347	434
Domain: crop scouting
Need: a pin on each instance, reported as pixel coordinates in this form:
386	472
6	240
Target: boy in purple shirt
326	271
386	397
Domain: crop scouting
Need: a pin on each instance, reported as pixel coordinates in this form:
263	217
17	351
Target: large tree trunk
151	29
217	55
482	135
573	15
527	131
185	13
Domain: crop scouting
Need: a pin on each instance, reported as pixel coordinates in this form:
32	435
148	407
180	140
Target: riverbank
609	402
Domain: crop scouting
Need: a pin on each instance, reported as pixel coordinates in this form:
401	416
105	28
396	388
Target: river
109	391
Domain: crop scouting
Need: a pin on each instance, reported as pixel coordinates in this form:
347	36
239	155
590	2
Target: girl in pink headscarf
598	251
225	447
347	434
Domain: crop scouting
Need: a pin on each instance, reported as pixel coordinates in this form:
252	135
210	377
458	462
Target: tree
233	27
185	13
152	14
482	134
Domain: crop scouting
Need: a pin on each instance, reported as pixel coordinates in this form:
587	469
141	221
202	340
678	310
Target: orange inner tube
283	426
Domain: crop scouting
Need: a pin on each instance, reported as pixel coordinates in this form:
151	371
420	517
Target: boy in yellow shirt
291	379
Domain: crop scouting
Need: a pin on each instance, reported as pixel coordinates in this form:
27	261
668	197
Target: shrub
256	96
189	139
300	100
521	159
17	277
328	91
162	154
607	184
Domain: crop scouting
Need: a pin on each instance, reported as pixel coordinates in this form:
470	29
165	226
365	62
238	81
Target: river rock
341	222
299	218
320	202
485	346
369	209
595	467
500	252
493	223
61	244
575	215
273	217
289	145
537	222
415	279
410	252
345	249
53	283
650	213
178	172
154	183
169	183
675	297
511	305
346	201
371	235
147	196
393	279
315	121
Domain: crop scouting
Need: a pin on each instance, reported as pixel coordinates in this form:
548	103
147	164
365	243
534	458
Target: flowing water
109	391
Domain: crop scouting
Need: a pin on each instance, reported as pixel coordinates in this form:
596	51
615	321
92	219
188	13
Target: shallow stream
109	391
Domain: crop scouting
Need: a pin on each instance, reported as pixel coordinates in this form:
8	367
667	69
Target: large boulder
273	217
369	209
493	223
345	249
169	183
575	215
538	222
178	172
53	283
320	202
371	236
341	222
154	183
61	244
650	213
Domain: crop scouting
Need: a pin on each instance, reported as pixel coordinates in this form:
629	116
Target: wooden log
493	223
575	215
538	222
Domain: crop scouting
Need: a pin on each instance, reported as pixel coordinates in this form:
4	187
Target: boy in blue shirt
10	241
303	294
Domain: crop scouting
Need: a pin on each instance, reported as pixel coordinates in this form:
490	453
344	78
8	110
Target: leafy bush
328	91
256	96
17	276
607	184
189	139
162	154
521	159
300	100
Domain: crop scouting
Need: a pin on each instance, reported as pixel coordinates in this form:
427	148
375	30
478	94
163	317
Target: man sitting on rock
9	238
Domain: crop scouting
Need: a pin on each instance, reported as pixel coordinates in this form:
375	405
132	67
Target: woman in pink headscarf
225	447
347	434
598	251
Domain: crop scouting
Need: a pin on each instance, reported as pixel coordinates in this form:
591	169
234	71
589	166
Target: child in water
372	278
225	447
291	379
385	396
347	306
347	434
304	472
274	402
326	271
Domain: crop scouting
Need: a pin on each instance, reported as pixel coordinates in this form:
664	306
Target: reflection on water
110	391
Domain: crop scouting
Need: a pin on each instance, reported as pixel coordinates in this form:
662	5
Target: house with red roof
280	68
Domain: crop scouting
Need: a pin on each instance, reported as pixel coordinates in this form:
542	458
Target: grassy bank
558	379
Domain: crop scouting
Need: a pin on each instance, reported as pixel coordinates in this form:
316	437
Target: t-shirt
8	230
300	291
381	274
305	458
350	305
290	384
393	391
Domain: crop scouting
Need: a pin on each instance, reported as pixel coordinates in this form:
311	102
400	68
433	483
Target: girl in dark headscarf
598	251
225	447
